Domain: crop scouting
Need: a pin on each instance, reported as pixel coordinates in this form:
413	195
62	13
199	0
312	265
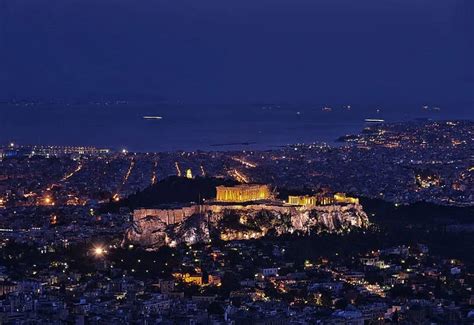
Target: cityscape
376	229
246	162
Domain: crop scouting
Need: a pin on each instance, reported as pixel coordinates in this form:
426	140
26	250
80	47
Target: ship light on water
152	117
374	120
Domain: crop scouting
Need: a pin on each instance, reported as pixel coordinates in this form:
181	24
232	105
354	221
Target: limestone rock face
147	231
331	218
240	222
191	231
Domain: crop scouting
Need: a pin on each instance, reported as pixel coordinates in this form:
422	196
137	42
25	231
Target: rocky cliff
154	227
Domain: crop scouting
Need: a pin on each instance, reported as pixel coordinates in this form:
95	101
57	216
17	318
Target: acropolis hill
244	212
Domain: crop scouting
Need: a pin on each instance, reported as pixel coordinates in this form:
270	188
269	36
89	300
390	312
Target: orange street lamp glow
99	251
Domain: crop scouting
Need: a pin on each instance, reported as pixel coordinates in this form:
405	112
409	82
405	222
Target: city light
48	200
304	163
127	207
99	251
189	173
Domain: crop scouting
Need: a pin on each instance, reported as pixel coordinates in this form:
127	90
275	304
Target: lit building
57	151
342	198
243	193
310	200
7	287
427	180
189	278
214	280
189	173
314	200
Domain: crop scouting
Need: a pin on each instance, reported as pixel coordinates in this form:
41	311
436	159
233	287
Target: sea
192	127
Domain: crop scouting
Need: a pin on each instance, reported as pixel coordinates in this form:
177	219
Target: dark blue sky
236	51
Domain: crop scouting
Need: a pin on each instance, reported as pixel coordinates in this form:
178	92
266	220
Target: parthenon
243	193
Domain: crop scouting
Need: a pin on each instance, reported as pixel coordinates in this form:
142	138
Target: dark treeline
416	214
419	223
170	191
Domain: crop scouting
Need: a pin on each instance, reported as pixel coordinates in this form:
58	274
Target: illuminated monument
342	198
308	200
243	193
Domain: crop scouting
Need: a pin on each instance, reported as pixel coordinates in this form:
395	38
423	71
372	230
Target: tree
230	282
215	308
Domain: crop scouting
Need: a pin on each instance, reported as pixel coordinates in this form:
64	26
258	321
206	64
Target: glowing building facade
308	200
243	193
342	198
189	173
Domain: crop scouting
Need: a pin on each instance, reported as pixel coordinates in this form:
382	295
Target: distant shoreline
232	144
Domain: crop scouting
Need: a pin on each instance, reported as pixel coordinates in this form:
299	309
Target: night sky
240	51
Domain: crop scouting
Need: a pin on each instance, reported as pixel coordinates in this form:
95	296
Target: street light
99	251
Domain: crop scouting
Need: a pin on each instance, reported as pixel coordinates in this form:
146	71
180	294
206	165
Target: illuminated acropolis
243	193
315	200
310	200
342	198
